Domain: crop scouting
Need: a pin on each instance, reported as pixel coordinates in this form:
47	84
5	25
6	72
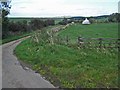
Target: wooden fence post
104	45
67	40
100	42
110	45
80	41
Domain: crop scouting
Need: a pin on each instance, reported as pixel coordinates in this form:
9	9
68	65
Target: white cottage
86	21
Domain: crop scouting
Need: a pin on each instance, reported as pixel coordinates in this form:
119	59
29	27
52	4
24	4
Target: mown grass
100	30
69	67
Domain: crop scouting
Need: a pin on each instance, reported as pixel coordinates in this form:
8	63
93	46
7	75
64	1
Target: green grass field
101	30
70	68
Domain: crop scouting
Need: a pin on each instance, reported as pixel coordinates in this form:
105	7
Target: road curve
13	74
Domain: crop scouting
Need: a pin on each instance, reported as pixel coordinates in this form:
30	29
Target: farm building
86	21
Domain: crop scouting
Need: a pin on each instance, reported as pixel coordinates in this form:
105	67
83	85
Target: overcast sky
54	8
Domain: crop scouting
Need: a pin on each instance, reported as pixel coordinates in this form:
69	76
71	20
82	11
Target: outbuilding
86	22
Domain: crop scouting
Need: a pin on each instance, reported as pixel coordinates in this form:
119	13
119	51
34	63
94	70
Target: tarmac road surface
13	74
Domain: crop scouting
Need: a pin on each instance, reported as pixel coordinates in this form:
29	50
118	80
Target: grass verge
68	67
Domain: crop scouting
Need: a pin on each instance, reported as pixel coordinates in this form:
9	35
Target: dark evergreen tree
5	8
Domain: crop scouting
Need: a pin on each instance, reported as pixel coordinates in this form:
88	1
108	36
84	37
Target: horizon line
56	16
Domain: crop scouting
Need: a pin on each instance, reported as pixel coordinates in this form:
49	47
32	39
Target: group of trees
65	21
115	17
38	24
10	27
27	26
17	26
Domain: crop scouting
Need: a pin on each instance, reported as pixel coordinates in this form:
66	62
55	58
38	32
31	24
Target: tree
115	17
38	24
49	22
64	21
5	9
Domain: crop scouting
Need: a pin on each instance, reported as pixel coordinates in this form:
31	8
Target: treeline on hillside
18	27
115	17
